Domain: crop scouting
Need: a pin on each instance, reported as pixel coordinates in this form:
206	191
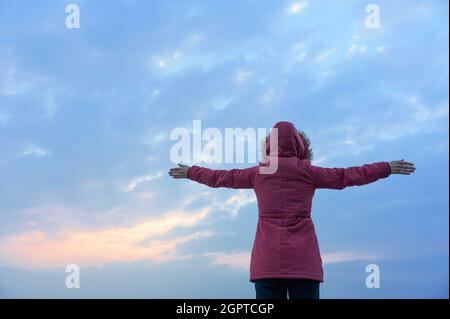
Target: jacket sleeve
339	178
234	178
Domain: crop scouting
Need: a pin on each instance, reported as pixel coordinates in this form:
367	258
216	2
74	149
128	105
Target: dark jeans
278	288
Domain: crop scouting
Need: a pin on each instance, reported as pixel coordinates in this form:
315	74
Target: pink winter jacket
286	244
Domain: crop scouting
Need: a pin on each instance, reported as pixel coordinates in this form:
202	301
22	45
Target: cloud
325	55
424	113
144	195
222	103
297	7
407	116
268	96
4	119
236	259
10	84
50	103
417	116
166	61
195	53
16	80
94	247
156	92
131	185
301	56
180	61
194	39
66	240
155	139
234	203
346	256
381	49
357	49
242	76
241	259
34	151
231	204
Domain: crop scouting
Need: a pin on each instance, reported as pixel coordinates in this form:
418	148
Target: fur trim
306	142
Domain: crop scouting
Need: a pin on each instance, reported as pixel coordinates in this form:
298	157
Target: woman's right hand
402	167
179	172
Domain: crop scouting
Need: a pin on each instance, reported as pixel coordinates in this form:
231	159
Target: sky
86	115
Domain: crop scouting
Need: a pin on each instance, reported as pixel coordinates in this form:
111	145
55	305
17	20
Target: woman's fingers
173	173
406	167
404	171
178	175
407	163
402	167
403	163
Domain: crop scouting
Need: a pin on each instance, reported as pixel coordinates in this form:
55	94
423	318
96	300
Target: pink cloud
240	259
115	244
345	256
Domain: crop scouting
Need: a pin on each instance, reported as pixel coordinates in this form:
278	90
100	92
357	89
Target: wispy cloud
50	104
131	185
222	103
359	134
325	55
227	204
166	61
357	49
10	84
235	202
187	59
346	256
242	76
34	151
4	118
155	139
297	7
16	80
58	234
382	49
114	244
241	259
234	259
268	96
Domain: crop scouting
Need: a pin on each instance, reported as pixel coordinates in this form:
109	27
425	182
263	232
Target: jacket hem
292	276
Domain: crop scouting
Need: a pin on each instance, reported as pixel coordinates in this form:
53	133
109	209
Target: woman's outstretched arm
234	178
339	178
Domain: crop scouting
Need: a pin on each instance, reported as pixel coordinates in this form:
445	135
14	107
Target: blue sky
86	114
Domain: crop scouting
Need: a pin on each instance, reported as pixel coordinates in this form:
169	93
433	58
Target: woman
285	257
